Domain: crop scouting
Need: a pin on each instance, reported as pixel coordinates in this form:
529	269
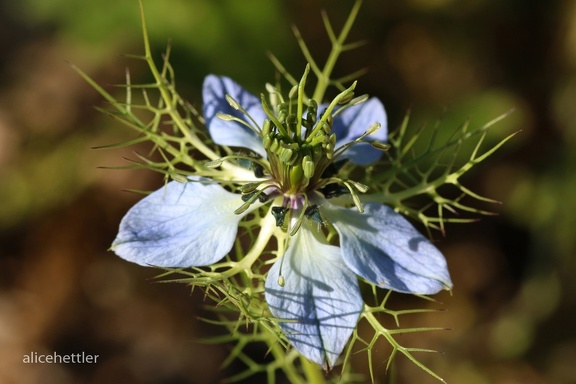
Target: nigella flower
298	147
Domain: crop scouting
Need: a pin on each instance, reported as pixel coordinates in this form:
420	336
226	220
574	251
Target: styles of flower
295	148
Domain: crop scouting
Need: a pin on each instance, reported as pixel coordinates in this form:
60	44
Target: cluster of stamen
301	153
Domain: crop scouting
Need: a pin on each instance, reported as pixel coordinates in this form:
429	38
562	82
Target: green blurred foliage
211	33
514	305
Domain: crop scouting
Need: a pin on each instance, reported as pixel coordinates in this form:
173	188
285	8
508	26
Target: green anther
359	186
298	223
254	194
281	281
312	107
296	226
293	146
322	129
214	163
243	207
329	123
225	116
357	202
282	111
346	98
271	116
294	160
249	199
266	128
285	155
381	146
249	187
332	139
274	146
311	113
297	179
270	88
179	178
292	122
319	139
358	100
233	103
228	117
266	141
355	197
328	112
250	195
329	146
308	166
373	128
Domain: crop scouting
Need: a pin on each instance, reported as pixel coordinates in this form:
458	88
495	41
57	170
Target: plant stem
312	372
337	48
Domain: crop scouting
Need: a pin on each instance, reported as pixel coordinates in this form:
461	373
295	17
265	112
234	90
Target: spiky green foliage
417	165
422	165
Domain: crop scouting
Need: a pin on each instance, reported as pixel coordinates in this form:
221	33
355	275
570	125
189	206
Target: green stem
279	354
166	96
396	347
337	48
428	187
268	228
312	372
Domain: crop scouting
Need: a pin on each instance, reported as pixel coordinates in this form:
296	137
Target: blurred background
512	313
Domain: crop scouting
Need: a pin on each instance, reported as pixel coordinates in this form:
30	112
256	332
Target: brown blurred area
60	289
512	313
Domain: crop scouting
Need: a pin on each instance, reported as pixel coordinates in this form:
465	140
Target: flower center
299	151
299	143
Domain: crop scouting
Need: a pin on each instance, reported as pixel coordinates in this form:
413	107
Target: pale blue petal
320	296
180	225
384	248
352	122
231	133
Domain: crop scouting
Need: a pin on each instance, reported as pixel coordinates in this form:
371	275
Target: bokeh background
512	313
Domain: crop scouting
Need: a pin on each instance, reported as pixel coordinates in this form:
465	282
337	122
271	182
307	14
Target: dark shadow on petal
306	315
300	299
414	243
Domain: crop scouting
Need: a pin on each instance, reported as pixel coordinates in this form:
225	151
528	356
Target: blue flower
296	147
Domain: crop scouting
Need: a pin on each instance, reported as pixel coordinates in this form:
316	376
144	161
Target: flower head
295	147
